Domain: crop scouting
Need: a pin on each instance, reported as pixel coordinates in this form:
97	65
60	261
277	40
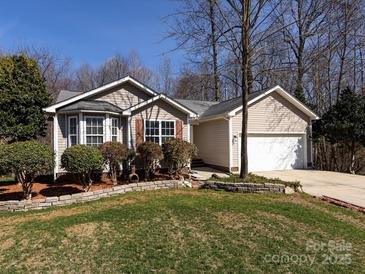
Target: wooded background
312	48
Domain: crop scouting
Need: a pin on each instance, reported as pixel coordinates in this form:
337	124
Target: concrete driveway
346	187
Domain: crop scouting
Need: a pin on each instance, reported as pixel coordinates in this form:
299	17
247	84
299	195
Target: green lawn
182	231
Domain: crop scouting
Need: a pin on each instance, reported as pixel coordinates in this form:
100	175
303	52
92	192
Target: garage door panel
275	152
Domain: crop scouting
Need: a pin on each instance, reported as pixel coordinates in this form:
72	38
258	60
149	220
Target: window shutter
179	129
139	131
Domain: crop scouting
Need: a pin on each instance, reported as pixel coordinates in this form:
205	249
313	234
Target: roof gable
230	107
165	98
88	94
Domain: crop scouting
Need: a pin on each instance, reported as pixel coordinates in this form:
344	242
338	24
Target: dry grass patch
232	220
8	243
82	230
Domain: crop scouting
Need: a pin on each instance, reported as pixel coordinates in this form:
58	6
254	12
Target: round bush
178	154
83	161
150	154
27	160
113	154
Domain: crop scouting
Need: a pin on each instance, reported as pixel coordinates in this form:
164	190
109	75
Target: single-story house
130	112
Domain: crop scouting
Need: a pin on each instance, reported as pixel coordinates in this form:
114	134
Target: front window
94	131
72	131
115	126
159	131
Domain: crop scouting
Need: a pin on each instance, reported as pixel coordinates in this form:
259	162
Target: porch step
197	163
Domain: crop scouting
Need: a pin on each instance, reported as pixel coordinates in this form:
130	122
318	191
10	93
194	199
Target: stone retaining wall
245	187
25	205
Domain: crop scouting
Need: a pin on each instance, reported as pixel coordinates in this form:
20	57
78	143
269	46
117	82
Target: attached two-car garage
275	152
278	128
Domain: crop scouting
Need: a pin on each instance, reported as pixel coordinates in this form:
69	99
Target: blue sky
90	31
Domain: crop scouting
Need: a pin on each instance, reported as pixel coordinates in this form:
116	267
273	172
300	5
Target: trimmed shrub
4	169
83	161
27	160
150	154
178	154
113	154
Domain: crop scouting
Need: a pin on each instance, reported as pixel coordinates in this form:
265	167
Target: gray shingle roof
197	106
91	105
207	109
66	94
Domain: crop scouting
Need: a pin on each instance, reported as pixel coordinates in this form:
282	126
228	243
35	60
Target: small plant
83	161
178	154
27	160
150	154
113	154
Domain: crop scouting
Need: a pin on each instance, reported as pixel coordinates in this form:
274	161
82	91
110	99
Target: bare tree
85	78
195	83
165	79
308	17
194	26
244	31
56	70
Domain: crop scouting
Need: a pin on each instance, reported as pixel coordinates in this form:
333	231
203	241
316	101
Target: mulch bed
42	189
45	187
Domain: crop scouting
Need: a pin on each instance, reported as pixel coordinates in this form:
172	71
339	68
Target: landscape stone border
245	187
25	205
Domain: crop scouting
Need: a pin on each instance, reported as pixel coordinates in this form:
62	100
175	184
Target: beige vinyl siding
270	114
212	141
124	96
62	136
158	110
275	114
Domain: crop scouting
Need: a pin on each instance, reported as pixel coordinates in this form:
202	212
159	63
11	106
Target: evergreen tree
344	124
23	94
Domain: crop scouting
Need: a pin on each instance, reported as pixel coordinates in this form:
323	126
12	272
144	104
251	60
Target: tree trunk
215	52
362	87
299	90
352	158
344	51
245	41
114	175
27	185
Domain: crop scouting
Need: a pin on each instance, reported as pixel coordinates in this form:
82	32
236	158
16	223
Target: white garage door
275	152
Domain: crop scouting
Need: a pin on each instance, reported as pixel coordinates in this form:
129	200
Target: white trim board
230	140
164	98
55	145
276	132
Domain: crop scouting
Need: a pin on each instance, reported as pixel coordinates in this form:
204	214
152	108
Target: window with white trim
73	131
94	131
115	129
159	131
